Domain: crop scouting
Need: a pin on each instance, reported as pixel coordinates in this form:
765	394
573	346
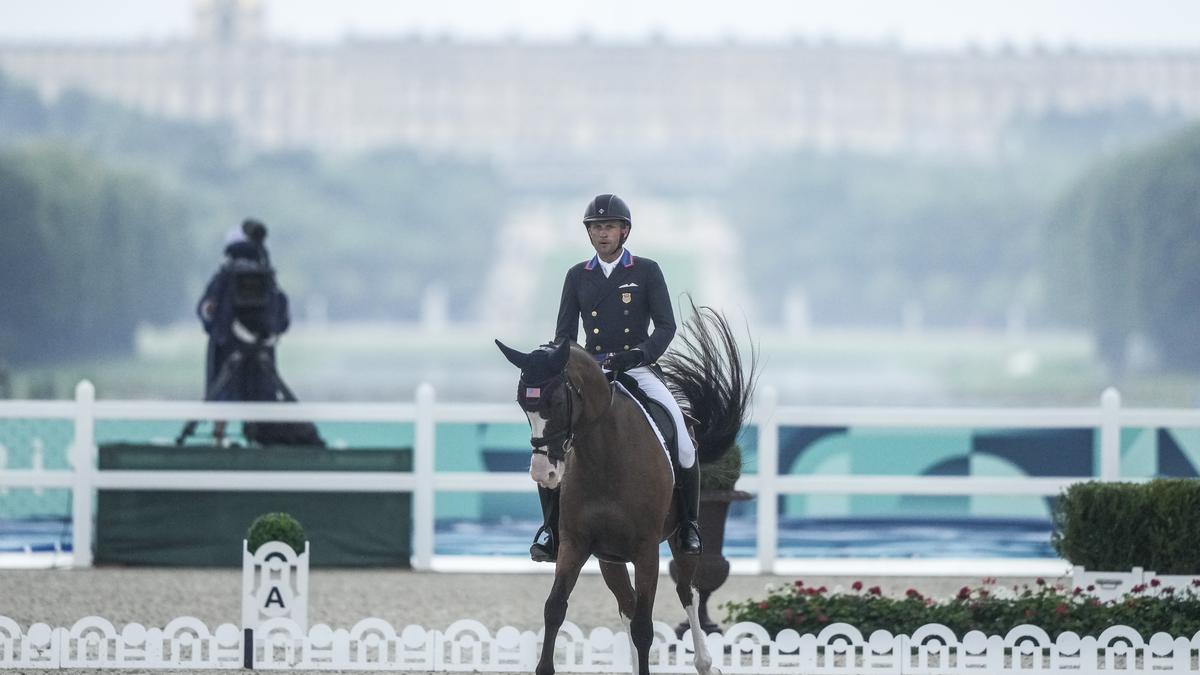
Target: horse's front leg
645	583
566	573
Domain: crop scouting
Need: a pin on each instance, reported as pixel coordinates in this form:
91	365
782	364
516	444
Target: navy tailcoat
617	310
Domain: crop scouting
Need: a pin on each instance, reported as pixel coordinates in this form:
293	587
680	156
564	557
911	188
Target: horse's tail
706	369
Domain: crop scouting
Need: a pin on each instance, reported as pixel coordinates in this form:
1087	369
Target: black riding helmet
608	207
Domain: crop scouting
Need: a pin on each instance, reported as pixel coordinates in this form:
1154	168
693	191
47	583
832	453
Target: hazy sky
917	23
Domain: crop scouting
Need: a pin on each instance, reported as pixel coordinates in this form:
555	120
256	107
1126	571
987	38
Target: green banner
204	528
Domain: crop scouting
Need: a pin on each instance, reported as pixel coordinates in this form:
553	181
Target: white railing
425	413
468	646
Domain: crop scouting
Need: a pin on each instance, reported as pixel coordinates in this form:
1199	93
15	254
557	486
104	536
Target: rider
619	295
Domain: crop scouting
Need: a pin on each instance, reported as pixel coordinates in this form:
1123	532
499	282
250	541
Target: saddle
659	415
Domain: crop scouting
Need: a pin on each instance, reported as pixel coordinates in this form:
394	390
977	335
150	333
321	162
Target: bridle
558	445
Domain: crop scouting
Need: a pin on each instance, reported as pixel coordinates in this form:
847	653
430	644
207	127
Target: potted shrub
717	480
275	527
1115	533
274	579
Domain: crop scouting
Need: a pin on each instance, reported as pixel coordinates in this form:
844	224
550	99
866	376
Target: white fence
425	413
468	646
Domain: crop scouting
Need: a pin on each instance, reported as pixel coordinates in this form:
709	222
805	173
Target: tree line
1095	223
1123	251
113	218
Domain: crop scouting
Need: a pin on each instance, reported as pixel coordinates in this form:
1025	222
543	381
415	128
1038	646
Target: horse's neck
611	443
595	390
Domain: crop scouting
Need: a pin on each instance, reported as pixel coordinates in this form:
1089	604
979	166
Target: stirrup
544	552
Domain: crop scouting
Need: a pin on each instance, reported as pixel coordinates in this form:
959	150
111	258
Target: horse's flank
617	474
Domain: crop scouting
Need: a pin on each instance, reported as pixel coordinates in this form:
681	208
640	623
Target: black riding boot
545	542
689	521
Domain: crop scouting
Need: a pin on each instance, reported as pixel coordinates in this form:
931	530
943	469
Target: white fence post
1110	435
83	462
768	472
423	473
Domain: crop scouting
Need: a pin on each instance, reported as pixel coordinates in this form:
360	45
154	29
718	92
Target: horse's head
549	400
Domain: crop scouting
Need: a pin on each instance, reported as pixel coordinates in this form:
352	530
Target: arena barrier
274	636
468	646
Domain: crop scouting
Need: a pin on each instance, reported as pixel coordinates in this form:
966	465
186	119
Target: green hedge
1119	526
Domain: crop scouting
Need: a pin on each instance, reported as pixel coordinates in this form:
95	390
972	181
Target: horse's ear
558	358
514	357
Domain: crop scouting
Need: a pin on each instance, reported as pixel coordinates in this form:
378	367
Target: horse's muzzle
546	472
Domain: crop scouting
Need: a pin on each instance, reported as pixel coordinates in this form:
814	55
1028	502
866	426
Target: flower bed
995	610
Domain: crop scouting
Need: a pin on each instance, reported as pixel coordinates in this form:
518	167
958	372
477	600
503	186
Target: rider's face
606	237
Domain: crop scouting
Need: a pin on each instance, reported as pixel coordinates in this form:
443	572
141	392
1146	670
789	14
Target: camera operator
244	311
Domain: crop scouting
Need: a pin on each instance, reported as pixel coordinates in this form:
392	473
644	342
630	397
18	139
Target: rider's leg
688	471
545	542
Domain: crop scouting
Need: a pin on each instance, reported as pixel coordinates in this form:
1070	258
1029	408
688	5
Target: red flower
1140	588
1169	590
912	593
1029	614
1041	581
763	605
1095	602
787	614
1061	610
1091	588
1196	582
799	583
1078	591
821	618
964	593
1155	583
875	590
989	581
856	585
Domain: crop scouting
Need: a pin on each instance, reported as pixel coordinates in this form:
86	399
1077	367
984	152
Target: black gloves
623	361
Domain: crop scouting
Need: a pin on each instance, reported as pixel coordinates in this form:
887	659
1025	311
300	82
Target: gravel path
154	596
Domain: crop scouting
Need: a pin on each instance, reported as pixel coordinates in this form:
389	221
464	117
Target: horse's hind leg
616	576
686	570
566	573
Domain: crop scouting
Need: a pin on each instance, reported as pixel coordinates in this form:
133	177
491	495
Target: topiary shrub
722	473
275	527
1119	526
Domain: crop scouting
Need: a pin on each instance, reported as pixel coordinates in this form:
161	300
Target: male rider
618	295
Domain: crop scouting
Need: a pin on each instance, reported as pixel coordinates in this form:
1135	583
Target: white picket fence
469	646
424	482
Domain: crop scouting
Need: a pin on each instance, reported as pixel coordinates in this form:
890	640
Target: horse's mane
583	362
705	368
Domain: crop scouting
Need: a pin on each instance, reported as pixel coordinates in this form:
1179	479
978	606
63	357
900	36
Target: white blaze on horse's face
543	471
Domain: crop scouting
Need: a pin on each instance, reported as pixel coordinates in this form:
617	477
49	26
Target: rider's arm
661	314
568	309
206	308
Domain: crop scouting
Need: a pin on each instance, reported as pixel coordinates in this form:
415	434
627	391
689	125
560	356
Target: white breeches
658	391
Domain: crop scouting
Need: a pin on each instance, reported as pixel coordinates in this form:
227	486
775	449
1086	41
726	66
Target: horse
591	439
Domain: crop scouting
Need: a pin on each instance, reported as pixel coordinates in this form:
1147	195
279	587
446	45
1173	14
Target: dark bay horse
593	442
